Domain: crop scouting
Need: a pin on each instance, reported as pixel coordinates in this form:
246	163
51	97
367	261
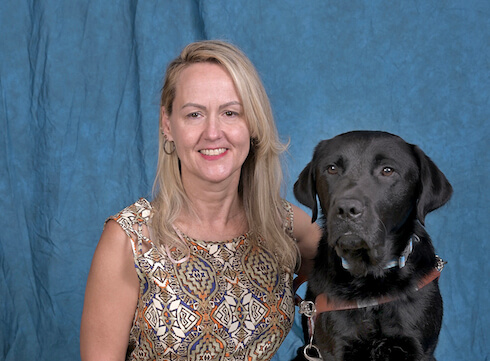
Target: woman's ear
165	123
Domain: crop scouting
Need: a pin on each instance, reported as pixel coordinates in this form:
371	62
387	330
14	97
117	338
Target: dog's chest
363	323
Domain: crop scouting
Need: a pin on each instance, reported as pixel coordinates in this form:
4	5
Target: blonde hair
261	176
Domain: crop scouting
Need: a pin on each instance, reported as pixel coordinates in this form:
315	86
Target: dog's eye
332	169
387	171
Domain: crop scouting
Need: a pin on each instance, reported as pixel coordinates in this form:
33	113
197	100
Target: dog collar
400	261
324	304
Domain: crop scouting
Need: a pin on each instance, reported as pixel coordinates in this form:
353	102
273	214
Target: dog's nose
349	208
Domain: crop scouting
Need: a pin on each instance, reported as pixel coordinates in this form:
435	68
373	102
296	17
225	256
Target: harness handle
308	309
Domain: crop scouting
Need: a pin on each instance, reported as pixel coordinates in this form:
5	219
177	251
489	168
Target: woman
205	270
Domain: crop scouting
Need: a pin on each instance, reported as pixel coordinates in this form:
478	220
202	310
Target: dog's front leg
396	348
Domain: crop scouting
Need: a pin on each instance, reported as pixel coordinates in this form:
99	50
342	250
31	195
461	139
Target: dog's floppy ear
305	189
435	189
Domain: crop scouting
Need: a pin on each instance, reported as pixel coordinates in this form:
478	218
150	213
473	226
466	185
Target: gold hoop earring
167	143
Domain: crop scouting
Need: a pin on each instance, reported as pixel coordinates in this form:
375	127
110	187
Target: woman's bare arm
307	235
110	298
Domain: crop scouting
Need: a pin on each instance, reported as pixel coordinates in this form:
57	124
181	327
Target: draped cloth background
79	89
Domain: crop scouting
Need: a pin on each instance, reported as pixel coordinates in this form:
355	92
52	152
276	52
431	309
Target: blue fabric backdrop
79	89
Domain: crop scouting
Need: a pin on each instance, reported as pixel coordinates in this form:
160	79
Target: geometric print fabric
228	301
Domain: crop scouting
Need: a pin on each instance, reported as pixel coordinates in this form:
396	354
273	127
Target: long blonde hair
261	176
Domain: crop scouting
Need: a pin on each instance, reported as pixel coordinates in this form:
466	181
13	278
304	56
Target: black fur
374	191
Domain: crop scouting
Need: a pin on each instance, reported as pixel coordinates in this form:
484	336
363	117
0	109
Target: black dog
376	268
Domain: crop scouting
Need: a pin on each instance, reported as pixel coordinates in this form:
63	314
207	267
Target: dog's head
371	186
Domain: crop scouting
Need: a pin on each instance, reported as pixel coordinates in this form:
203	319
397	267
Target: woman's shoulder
288	207
138	212
289	218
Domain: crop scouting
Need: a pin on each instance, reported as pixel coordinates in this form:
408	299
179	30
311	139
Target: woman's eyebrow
193	105
199	106
234	102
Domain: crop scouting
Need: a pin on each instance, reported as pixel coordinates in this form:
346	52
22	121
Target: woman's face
208	126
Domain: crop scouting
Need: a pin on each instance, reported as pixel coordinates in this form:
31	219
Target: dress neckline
190	239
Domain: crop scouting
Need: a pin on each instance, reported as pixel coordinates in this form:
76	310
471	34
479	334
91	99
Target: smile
217	151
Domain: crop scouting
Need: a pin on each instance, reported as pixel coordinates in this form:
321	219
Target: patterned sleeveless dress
229	301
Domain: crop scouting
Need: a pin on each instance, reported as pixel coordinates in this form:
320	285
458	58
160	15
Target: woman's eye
193	115
332	169
387	171
229	113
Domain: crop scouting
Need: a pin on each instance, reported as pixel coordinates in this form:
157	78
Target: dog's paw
396	348
388	349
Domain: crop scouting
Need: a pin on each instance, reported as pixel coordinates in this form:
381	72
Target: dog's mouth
352	248
350	242
356	254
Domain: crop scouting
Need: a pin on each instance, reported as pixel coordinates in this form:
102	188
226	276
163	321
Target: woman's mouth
211	152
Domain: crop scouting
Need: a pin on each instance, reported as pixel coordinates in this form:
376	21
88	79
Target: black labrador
375	274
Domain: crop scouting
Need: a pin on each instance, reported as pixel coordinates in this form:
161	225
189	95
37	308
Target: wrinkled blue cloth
79	102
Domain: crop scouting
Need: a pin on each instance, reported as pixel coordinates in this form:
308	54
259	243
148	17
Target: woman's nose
213	128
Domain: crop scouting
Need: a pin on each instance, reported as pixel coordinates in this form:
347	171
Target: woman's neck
214	214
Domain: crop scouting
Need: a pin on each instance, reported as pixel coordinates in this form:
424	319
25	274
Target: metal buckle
307	308
440	263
